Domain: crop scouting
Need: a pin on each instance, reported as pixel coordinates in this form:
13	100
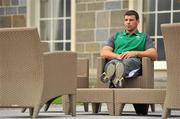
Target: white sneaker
118	80
107	75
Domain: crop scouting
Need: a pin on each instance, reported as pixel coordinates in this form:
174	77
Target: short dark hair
132	12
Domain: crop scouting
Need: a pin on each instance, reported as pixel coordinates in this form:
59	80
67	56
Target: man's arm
106	52
151	53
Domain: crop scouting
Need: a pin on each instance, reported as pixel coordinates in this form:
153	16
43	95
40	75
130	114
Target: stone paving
55	112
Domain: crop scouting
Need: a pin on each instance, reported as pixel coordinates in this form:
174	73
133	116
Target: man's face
130	23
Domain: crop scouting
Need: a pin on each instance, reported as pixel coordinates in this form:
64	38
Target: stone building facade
12	13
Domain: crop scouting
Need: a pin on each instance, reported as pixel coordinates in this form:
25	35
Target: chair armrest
147	72
60	72
100	65
100	69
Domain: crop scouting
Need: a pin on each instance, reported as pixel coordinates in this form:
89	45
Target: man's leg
126	69
109	71
114	70
132	68
118	78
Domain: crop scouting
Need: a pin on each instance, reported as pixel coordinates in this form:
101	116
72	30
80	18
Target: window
55	23
155	13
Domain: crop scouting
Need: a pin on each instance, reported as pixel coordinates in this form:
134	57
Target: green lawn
57	101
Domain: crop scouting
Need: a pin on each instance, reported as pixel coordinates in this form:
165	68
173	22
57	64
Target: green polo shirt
124	41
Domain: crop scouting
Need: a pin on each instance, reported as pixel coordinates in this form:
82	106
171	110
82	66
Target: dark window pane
176	5
176	17
45	8
58	8
22	10
45	32
14	2
58	29
160	49
68	8
68	29
163	18
149	24
164	5
22	2
58	46
68	46
149	5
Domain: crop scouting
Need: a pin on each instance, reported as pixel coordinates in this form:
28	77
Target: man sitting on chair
124	52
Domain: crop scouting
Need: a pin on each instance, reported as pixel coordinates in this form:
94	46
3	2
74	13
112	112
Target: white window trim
137	5
33	18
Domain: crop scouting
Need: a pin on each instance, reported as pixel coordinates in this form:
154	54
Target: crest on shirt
138	37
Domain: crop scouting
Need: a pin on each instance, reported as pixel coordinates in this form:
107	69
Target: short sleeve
149	43
110	42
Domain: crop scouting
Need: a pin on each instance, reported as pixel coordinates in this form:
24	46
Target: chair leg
66	107
162	106
35	111
95	107
72	104
65	103
110	107
152	107
31	111
23	110
86	107
47	105
118	108
166	113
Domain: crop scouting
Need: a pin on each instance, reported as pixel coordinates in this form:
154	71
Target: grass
57	101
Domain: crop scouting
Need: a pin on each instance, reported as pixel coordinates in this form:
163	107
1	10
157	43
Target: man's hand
128	54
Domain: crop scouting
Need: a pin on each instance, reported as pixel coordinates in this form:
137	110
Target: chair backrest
21	66
171	37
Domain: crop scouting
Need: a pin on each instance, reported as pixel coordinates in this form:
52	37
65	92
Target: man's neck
132	32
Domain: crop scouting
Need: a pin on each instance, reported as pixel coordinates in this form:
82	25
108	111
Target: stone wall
12	13
96	21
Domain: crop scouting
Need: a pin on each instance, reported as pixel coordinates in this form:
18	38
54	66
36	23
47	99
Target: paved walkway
55	112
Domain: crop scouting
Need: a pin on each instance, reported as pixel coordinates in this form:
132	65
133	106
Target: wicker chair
144	81
171	34
30	78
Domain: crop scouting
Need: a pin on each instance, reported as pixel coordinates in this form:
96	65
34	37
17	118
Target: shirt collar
126	33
